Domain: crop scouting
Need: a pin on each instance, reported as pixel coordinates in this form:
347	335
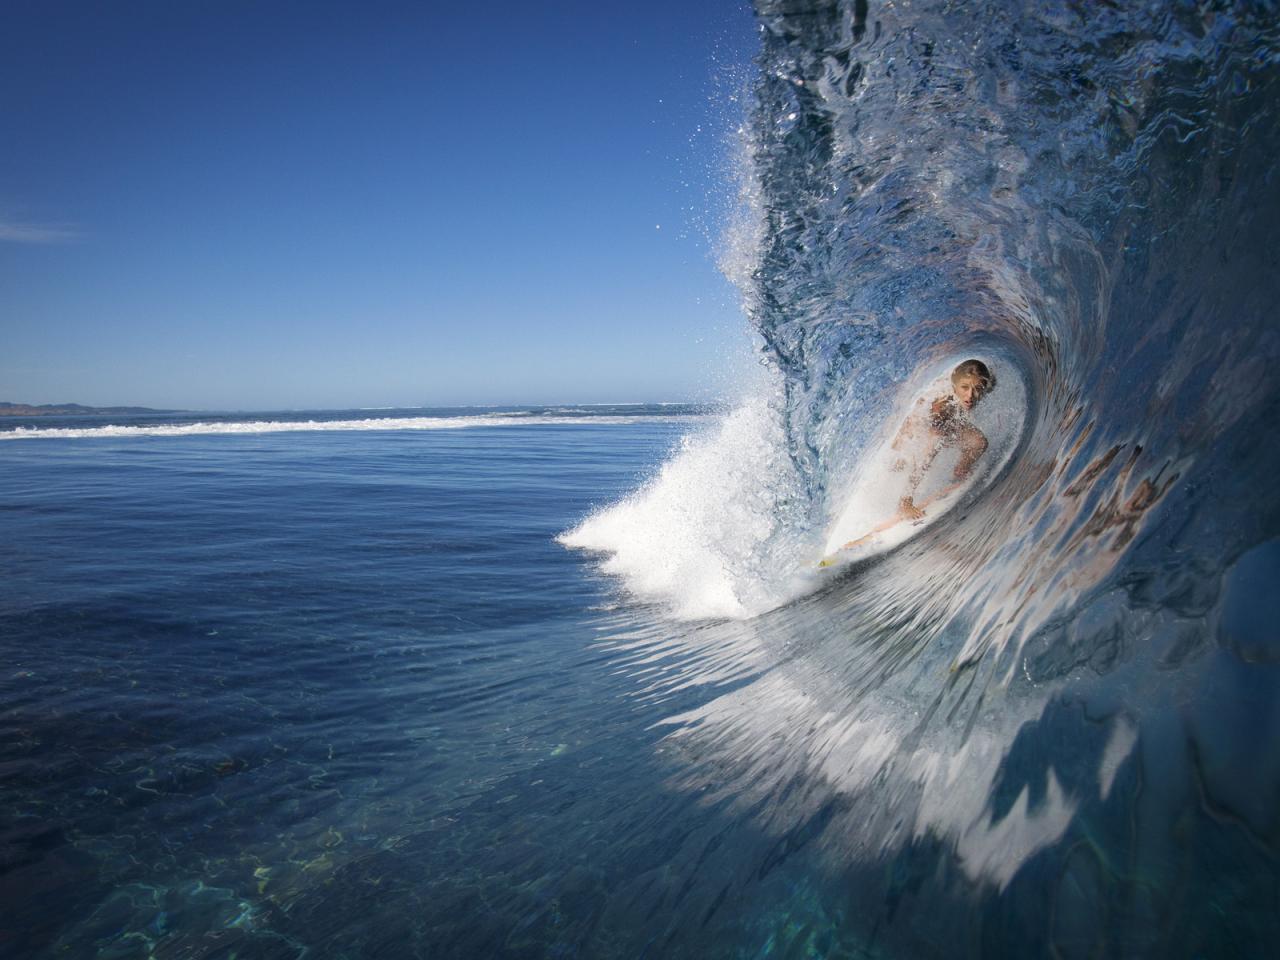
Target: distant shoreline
69	409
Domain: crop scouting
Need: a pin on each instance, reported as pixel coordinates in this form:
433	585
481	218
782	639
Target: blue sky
254	205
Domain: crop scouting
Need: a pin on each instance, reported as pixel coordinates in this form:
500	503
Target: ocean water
272	692
545	682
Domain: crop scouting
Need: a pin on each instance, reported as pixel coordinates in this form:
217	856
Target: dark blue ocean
569	681
338	692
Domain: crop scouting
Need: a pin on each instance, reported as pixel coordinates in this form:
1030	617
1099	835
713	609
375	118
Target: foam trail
314	426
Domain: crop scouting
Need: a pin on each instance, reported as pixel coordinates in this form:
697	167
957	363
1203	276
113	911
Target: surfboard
891	531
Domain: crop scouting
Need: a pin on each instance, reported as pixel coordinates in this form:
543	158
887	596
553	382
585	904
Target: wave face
1046	722
1084	195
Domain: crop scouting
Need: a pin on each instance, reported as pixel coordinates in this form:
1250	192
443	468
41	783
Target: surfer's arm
927	423
972	446
906	504
912	427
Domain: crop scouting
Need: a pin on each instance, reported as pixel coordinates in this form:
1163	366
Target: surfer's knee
973	442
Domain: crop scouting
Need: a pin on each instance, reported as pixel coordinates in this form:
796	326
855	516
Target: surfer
944	423
931	427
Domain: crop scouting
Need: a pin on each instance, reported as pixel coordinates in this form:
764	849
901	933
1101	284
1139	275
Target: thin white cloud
15	232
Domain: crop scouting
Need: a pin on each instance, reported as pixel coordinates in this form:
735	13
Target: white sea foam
313	426
695	537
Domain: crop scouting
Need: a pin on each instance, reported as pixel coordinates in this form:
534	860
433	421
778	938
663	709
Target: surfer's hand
908	510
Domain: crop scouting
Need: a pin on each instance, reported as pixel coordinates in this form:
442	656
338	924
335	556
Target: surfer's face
968	390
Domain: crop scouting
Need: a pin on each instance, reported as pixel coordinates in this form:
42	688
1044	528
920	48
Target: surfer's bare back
944	423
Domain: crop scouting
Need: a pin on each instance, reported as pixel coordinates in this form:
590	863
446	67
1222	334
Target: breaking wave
1045	721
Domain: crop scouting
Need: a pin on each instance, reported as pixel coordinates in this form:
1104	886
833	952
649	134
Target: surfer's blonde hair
978	370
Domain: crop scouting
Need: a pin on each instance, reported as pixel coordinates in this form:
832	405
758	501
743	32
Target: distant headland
68	410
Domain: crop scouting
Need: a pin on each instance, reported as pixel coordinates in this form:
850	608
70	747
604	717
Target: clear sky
254	205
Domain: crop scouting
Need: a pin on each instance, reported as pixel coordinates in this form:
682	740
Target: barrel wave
1045	724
